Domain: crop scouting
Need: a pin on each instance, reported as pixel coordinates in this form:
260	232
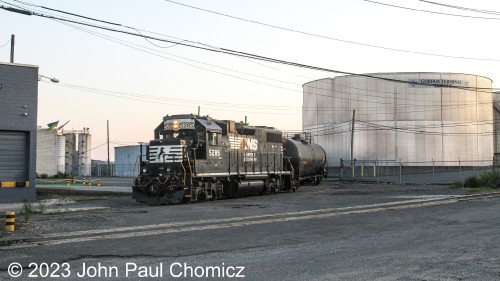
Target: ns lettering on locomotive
197	158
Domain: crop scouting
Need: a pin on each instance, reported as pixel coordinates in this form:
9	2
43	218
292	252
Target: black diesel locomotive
196	158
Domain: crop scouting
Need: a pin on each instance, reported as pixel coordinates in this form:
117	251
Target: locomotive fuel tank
307	158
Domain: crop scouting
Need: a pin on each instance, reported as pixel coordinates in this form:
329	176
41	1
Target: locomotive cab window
213	138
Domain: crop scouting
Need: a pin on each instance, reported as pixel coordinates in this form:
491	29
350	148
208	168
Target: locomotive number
214	153
186	125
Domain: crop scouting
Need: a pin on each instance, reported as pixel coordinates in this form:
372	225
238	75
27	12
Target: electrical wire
347	98
232	52
6	43
108	37
427	11
160	54
388	79
145	99
333	38
461	8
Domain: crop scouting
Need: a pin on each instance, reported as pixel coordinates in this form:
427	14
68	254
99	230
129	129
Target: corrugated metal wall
127	160
415	123
46	152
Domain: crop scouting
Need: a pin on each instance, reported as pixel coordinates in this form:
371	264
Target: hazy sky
133	83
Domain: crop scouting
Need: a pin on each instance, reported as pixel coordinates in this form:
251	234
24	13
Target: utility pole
12	43
109	167
352	135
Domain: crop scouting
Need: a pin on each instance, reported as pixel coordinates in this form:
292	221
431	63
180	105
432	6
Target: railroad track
224	223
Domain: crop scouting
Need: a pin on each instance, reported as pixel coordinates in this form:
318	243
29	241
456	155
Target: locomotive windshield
179	129
180	134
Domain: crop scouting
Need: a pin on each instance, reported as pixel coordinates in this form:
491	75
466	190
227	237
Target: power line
317	88
233	52
420	130
461	8
148	99
347	98
155	53
272	26
427	11
5	44
333	38
403	109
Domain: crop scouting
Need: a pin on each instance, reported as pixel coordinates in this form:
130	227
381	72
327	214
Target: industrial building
127	160
418	118
18	134
63	151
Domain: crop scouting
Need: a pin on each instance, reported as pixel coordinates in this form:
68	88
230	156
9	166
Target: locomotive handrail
183	168
190	170
291	167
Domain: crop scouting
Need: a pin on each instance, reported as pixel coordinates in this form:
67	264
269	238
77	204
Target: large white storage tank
399	117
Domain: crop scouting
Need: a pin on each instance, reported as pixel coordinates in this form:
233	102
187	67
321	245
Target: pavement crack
110	256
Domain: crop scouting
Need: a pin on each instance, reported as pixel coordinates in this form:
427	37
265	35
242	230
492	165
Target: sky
134	82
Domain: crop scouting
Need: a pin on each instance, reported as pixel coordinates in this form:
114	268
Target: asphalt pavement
334	231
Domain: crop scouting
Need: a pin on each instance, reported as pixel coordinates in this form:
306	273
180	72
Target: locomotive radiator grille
166	153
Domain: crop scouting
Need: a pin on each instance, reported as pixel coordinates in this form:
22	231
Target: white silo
61	153
71	159
84	153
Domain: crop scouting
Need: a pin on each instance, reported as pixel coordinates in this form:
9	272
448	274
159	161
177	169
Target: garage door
13	156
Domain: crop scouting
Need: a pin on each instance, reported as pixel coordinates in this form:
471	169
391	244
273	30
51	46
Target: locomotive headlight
175	124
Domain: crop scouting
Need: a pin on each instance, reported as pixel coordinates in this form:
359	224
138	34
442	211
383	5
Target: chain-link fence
395	171
115	170
94	170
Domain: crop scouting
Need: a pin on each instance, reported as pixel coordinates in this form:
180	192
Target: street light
55	80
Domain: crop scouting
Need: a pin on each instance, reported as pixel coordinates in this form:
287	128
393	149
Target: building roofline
399	73
19	64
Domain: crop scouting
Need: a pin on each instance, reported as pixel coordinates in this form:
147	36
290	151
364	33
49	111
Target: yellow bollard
9	221
90	181
83	182
67	182
99	182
